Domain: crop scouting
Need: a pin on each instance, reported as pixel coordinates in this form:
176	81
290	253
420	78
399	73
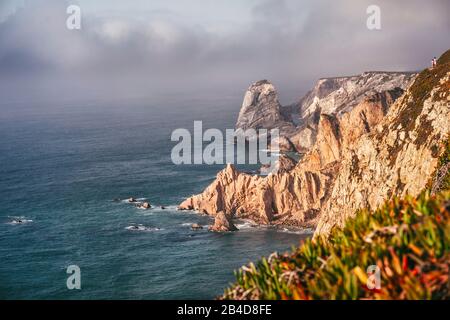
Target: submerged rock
141	227
20	221
222	223
144	206
283	164
196	226
298	122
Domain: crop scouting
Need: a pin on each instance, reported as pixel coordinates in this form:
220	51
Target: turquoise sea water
62	167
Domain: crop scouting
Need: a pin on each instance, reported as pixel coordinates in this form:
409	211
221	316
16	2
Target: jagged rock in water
262	110
144	205
292	196
222	223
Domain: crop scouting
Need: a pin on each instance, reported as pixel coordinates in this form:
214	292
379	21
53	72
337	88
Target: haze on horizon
202	49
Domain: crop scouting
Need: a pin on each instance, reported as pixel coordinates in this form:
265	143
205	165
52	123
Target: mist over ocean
60	170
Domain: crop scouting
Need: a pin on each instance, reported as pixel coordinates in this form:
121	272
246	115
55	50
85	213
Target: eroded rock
222	223
196	226
364	152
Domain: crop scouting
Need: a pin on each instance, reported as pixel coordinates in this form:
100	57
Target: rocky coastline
364	138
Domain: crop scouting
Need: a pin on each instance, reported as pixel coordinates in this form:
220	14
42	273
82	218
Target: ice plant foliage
407	239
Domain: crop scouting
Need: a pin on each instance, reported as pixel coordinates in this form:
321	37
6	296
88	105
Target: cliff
298	122
293	196
387	144
261	109
341	94
400	156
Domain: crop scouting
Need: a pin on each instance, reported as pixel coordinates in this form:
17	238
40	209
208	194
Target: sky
179	50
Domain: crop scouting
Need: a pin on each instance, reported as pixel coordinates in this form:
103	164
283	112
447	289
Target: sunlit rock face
398	157
385	144
298	122
262	110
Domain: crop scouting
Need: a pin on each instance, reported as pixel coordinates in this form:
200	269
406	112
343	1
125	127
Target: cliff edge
387	144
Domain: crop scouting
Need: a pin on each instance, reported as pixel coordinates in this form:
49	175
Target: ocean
61	168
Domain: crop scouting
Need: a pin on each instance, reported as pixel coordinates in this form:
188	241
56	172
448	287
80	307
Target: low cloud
159	54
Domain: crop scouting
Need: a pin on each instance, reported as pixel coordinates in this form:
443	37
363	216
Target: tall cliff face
293	196
378	149
262	109
341	94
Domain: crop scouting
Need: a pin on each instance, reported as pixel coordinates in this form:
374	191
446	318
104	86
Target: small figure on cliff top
433	62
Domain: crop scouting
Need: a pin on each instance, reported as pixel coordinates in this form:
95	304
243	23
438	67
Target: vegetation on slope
441	177
407	239
444	164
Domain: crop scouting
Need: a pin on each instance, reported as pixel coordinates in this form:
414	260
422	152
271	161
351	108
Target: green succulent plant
407	239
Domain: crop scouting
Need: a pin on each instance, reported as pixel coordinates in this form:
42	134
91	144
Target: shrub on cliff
441	179
407	239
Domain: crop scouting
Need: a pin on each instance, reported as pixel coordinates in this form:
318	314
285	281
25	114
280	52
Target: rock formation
144	205
362	155
298	122
196	226
222	223
294	194
397	158
341	94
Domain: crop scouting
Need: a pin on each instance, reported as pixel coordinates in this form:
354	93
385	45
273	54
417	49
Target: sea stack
222	223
